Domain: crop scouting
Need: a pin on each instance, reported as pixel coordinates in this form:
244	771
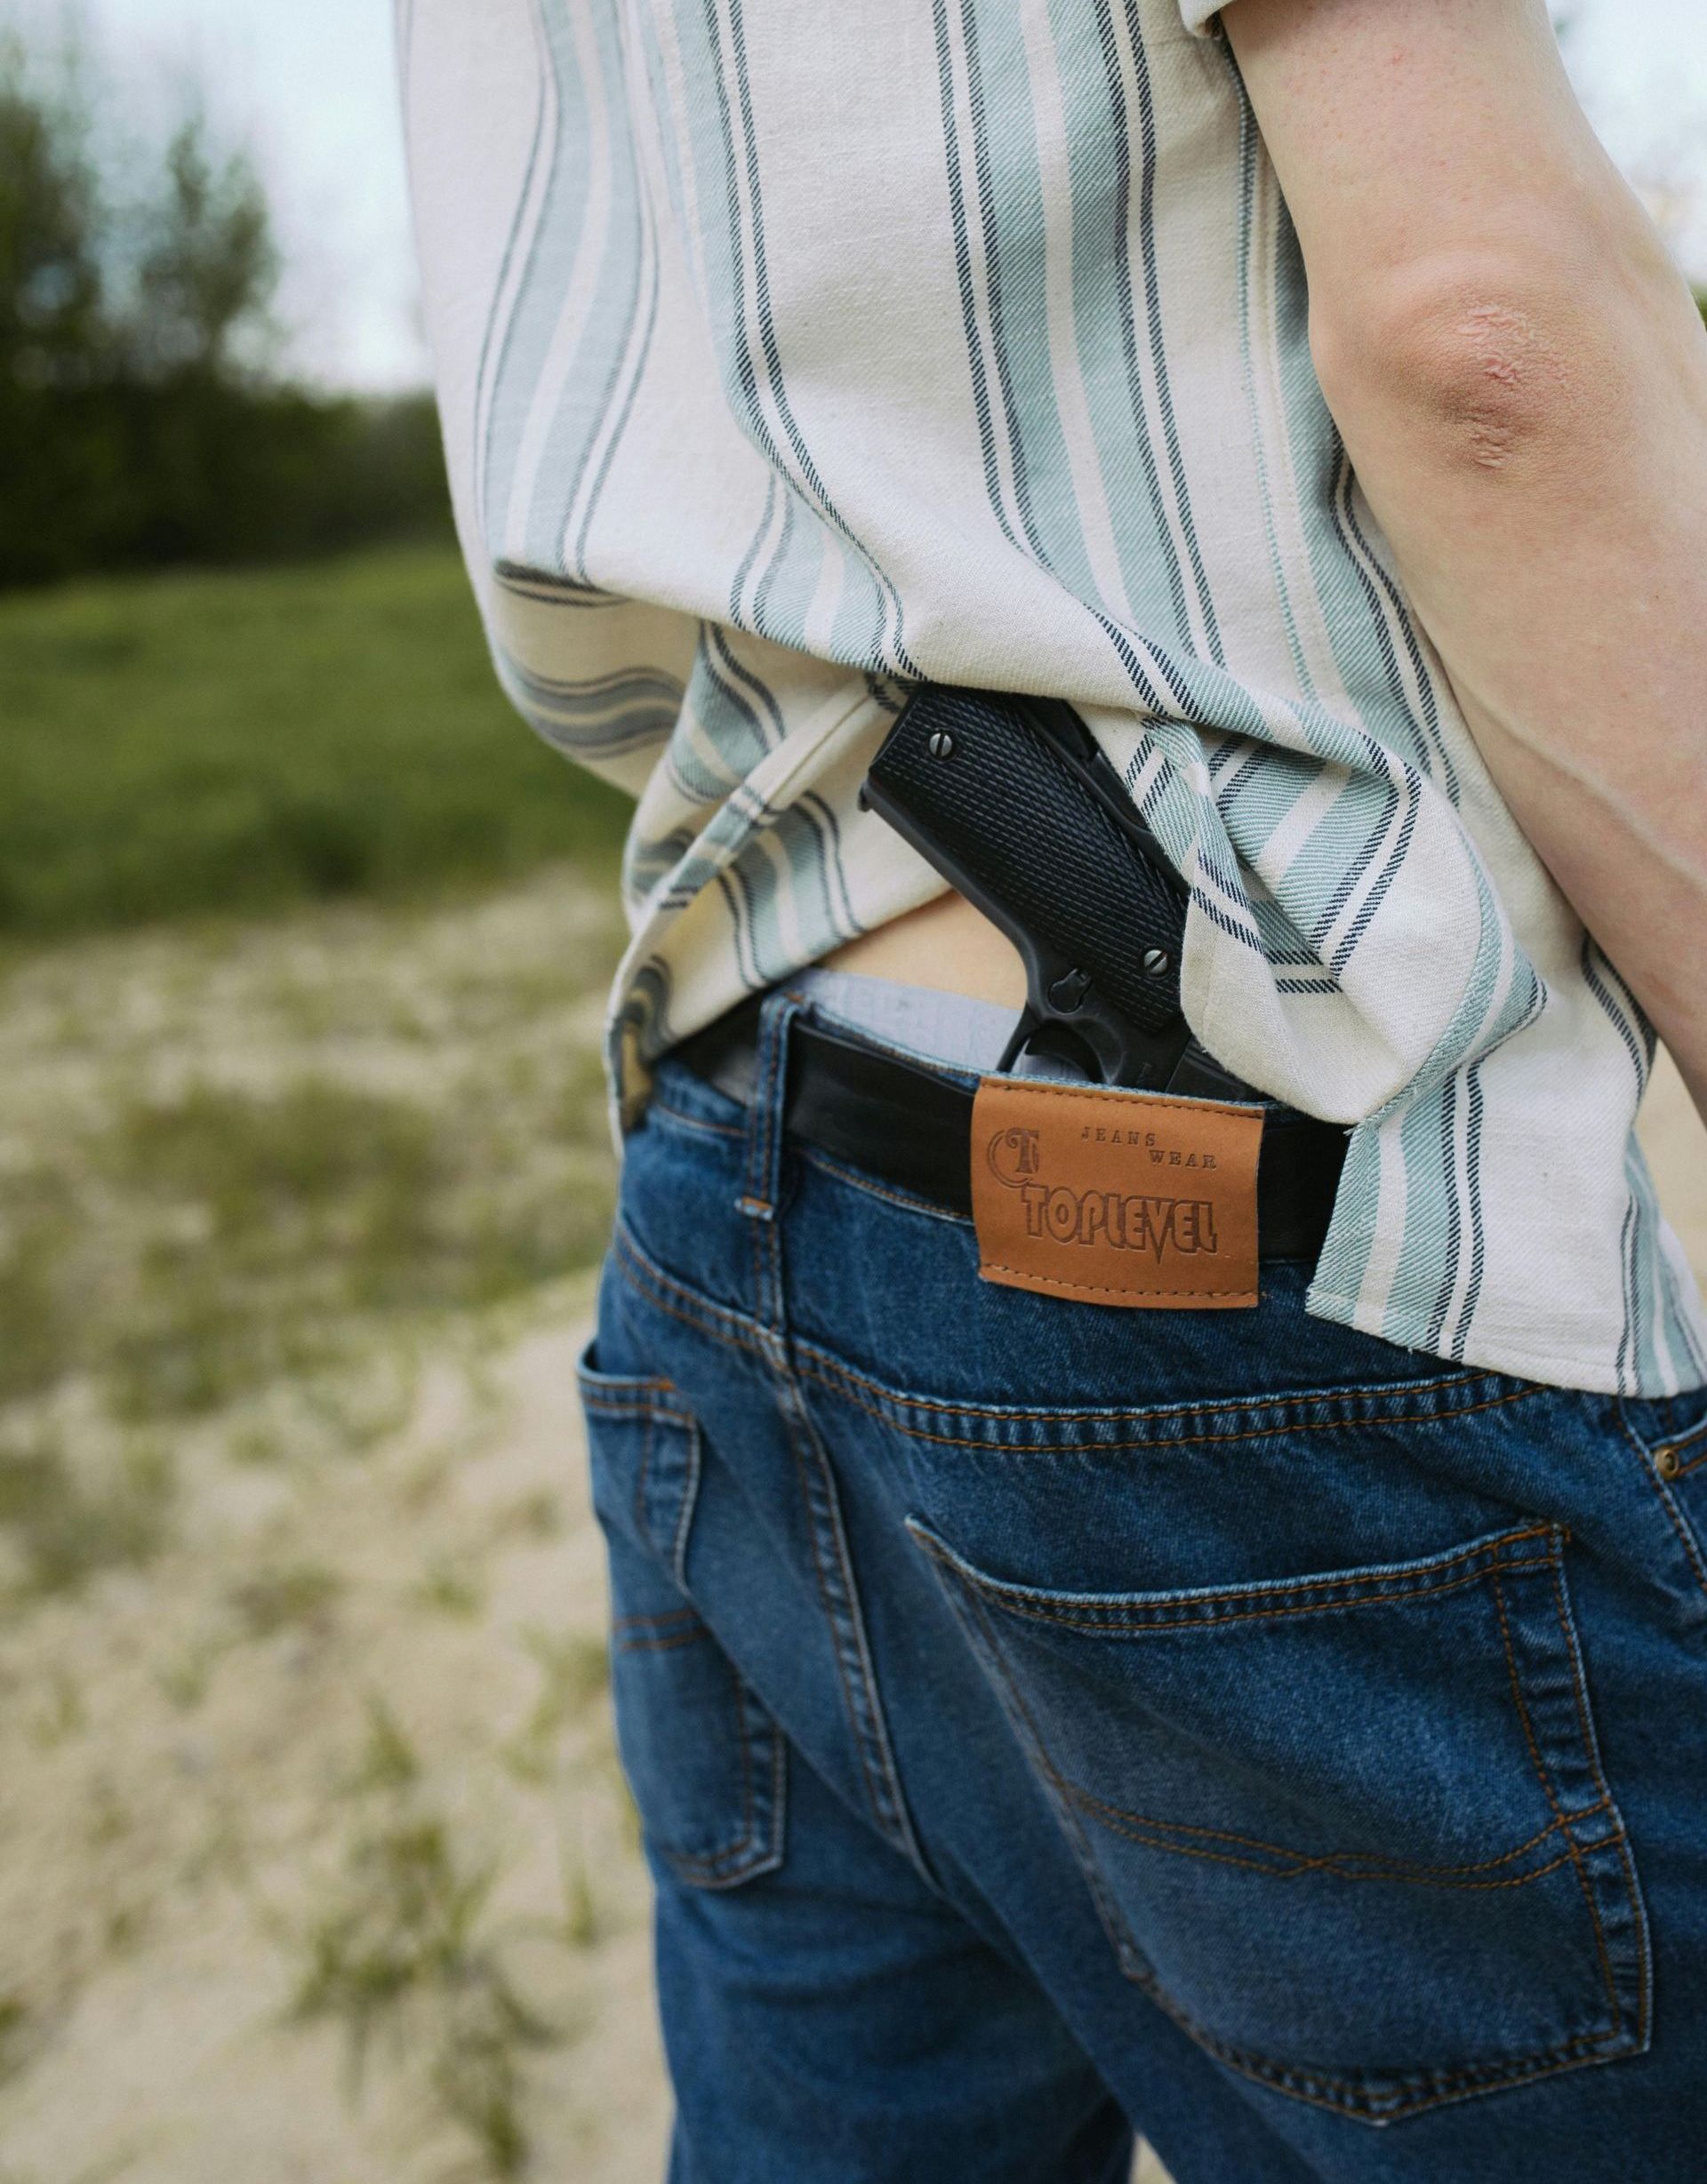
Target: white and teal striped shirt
788	353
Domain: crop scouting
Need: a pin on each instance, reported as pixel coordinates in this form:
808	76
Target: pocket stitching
1680	1524
760	1854
1179	1614
836	1377
1348	2095
690	1502
687	1614
1591	1749
1331	1861
675	1627
637	1405
1343	2096
756	1850
1428	1591
665	1645
1544	1777
1423	1877
1020	1412
736	1330
657	1105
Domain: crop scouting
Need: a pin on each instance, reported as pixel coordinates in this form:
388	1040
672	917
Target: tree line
144	417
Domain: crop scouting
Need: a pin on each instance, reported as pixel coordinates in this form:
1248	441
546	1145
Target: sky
309	84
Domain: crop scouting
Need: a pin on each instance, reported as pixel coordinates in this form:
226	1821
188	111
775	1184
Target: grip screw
1156	962
941	744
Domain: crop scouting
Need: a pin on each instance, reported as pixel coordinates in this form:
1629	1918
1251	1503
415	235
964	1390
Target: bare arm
1521	377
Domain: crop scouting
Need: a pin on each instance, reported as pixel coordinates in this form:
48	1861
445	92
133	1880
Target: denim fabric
1049	1720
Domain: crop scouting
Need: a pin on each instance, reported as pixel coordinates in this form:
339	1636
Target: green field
304	1168
284	805
334	1060
242	742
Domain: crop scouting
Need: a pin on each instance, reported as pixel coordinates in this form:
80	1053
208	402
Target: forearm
1520	378
1558	562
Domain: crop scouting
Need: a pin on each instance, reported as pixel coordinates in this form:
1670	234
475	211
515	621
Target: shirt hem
1516	1358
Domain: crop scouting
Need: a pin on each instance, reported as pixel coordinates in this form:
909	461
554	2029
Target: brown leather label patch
1115	1197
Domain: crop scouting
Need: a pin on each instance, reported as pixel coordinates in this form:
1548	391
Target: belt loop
762	1173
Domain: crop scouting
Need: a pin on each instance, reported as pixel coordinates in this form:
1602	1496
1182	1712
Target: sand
316	1867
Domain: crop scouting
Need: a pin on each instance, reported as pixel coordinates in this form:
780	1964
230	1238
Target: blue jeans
1049	1720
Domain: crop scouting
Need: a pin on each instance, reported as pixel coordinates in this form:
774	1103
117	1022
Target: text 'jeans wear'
1048	1721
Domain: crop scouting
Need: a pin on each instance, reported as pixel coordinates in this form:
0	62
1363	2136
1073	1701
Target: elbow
1484	363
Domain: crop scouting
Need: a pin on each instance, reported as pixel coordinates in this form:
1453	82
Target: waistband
908	1124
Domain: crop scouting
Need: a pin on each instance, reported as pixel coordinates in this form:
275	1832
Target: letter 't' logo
1013	1156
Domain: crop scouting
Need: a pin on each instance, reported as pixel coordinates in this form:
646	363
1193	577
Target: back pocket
1677	1455
702	1757
1350	1830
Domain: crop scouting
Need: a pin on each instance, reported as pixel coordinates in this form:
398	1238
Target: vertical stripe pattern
789	356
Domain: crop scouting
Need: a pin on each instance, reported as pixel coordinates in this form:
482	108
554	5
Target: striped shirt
790	354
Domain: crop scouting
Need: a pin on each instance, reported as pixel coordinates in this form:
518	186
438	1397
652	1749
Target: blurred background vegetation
313	1858
315	720
143	423
231	742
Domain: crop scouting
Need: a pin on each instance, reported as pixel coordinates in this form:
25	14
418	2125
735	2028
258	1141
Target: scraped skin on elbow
1509	368
1492	374
1519	375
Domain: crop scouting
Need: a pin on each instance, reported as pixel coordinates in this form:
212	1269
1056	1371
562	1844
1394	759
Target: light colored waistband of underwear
952	1028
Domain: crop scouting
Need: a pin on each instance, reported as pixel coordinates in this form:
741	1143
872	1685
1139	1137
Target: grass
14	2023
63	1529
406	1951
400	1951
226	1237
285	1598
197	745
303	944
180	1243
575	1670
237	743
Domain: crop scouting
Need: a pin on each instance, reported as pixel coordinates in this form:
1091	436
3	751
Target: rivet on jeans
1667	1464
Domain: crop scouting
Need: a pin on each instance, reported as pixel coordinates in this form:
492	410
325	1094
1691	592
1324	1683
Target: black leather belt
908	1125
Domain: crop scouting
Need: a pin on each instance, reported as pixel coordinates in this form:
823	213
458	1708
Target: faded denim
1049	1722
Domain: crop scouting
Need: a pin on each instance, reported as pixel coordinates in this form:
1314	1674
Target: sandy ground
315	1864
190	1804
316	1867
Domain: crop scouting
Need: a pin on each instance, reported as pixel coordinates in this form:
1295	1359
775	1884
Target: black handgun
1013	803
